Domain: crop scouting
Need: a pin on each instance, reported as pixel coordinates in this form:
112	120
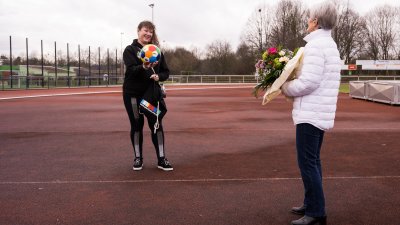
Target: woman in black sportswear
138	77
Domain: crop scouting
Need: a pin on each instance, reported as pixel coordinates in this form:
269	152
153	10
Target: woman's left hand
155	77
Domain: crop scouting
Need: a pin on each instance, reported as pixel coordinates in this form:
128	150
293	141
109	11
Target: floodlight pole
122	64
152	12
11	64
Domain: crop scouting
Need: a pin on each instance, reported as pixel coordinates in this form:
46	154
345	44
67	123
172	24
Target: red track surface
67	160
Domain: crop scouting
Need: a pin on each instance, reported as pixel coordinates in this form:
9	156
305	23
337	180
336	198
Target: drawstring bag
152	103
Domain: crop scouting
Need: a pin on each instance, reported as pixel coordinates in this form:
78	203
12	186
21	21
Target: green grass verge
344	88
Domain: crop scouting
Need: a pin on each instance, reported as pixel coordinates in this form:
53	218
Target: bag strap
157	124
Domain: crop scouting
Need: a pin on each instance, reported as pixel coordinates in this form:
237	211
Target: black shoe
308	220
299	210
164	164
138	164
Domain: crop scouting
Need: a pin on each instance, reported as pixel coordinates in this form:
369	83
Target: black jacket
137	79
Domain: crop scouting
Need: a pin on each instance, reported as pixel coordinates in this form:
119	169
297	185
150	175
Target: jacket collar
318	33
136	43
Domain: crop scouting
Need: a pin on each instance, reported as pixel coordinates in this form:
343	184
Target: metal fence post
55	64
11	65
27	65
116	66
79	65
122	64
108	67
90	71
68	78
41	53
98	78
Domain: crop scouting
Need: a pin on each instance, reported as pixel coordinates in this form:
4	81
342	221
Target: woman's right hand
147	66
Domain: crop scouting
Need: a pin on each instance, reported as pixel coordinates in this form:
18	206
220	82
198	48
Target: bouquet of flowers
270	67
276	67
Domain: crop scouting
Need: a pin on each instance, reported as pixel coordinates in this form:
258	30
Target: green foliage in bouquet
270	67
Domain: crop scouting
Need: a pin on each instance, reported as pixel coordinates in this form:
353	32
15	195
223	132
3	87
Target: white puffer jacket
316	88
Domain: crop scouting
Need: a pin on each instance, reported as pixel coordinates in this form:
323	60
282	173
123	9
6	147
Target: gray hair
326	14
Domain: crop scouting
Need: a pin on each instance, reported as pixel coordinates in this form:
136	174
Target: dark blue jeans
308	143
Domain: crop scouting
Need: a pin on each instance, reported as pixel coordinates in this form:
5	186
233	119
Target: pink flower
272	51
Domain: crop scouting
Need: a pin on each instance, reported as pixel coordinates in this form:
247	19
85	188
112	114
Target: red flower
272	51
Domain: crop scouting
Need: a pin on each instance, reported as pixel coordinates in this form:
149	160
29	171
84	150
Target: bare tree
285	26
180	59
397	31
220	57
85	56
381	31
257	32
288	27
246	60
349	33
372	43
61	58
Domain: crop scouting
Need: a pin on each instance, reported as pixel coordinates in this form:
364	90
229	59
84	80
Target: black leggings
137	121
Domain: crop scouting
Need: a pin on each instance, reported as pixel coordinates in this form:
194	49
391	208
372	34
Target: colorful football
150	54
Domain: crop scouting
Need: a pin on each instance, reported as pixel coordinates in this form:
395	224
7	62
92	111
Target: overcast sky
190	23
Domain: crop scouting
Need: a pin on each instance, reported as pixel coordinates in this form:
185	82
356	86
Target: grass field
344	88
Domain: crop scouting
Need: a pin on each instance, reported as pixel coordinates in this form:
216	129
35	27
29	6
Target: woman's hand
147	66
155	77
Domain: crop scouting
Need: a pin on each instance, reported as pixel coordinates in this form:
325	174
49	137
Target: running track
65	158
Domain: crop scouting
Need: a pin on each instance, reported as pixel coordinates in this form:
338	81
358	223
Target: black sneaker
164	164
138	164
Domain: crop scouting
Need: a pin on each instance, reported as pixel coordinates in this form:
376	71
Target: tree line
373	36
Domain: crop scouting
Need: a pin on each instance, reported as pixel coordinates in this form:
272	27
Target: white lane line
205	88
106	92
194	180
213	130
63	94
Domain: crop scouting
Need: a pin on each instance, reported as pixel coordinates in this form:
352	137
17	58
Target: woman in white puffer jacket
315	93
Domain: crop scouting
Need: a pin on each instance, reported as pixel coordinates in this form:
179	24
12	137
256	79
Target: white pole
122	65
152	12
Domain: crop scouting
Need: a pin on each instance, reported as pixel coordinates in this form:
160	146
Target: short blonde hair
326	14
